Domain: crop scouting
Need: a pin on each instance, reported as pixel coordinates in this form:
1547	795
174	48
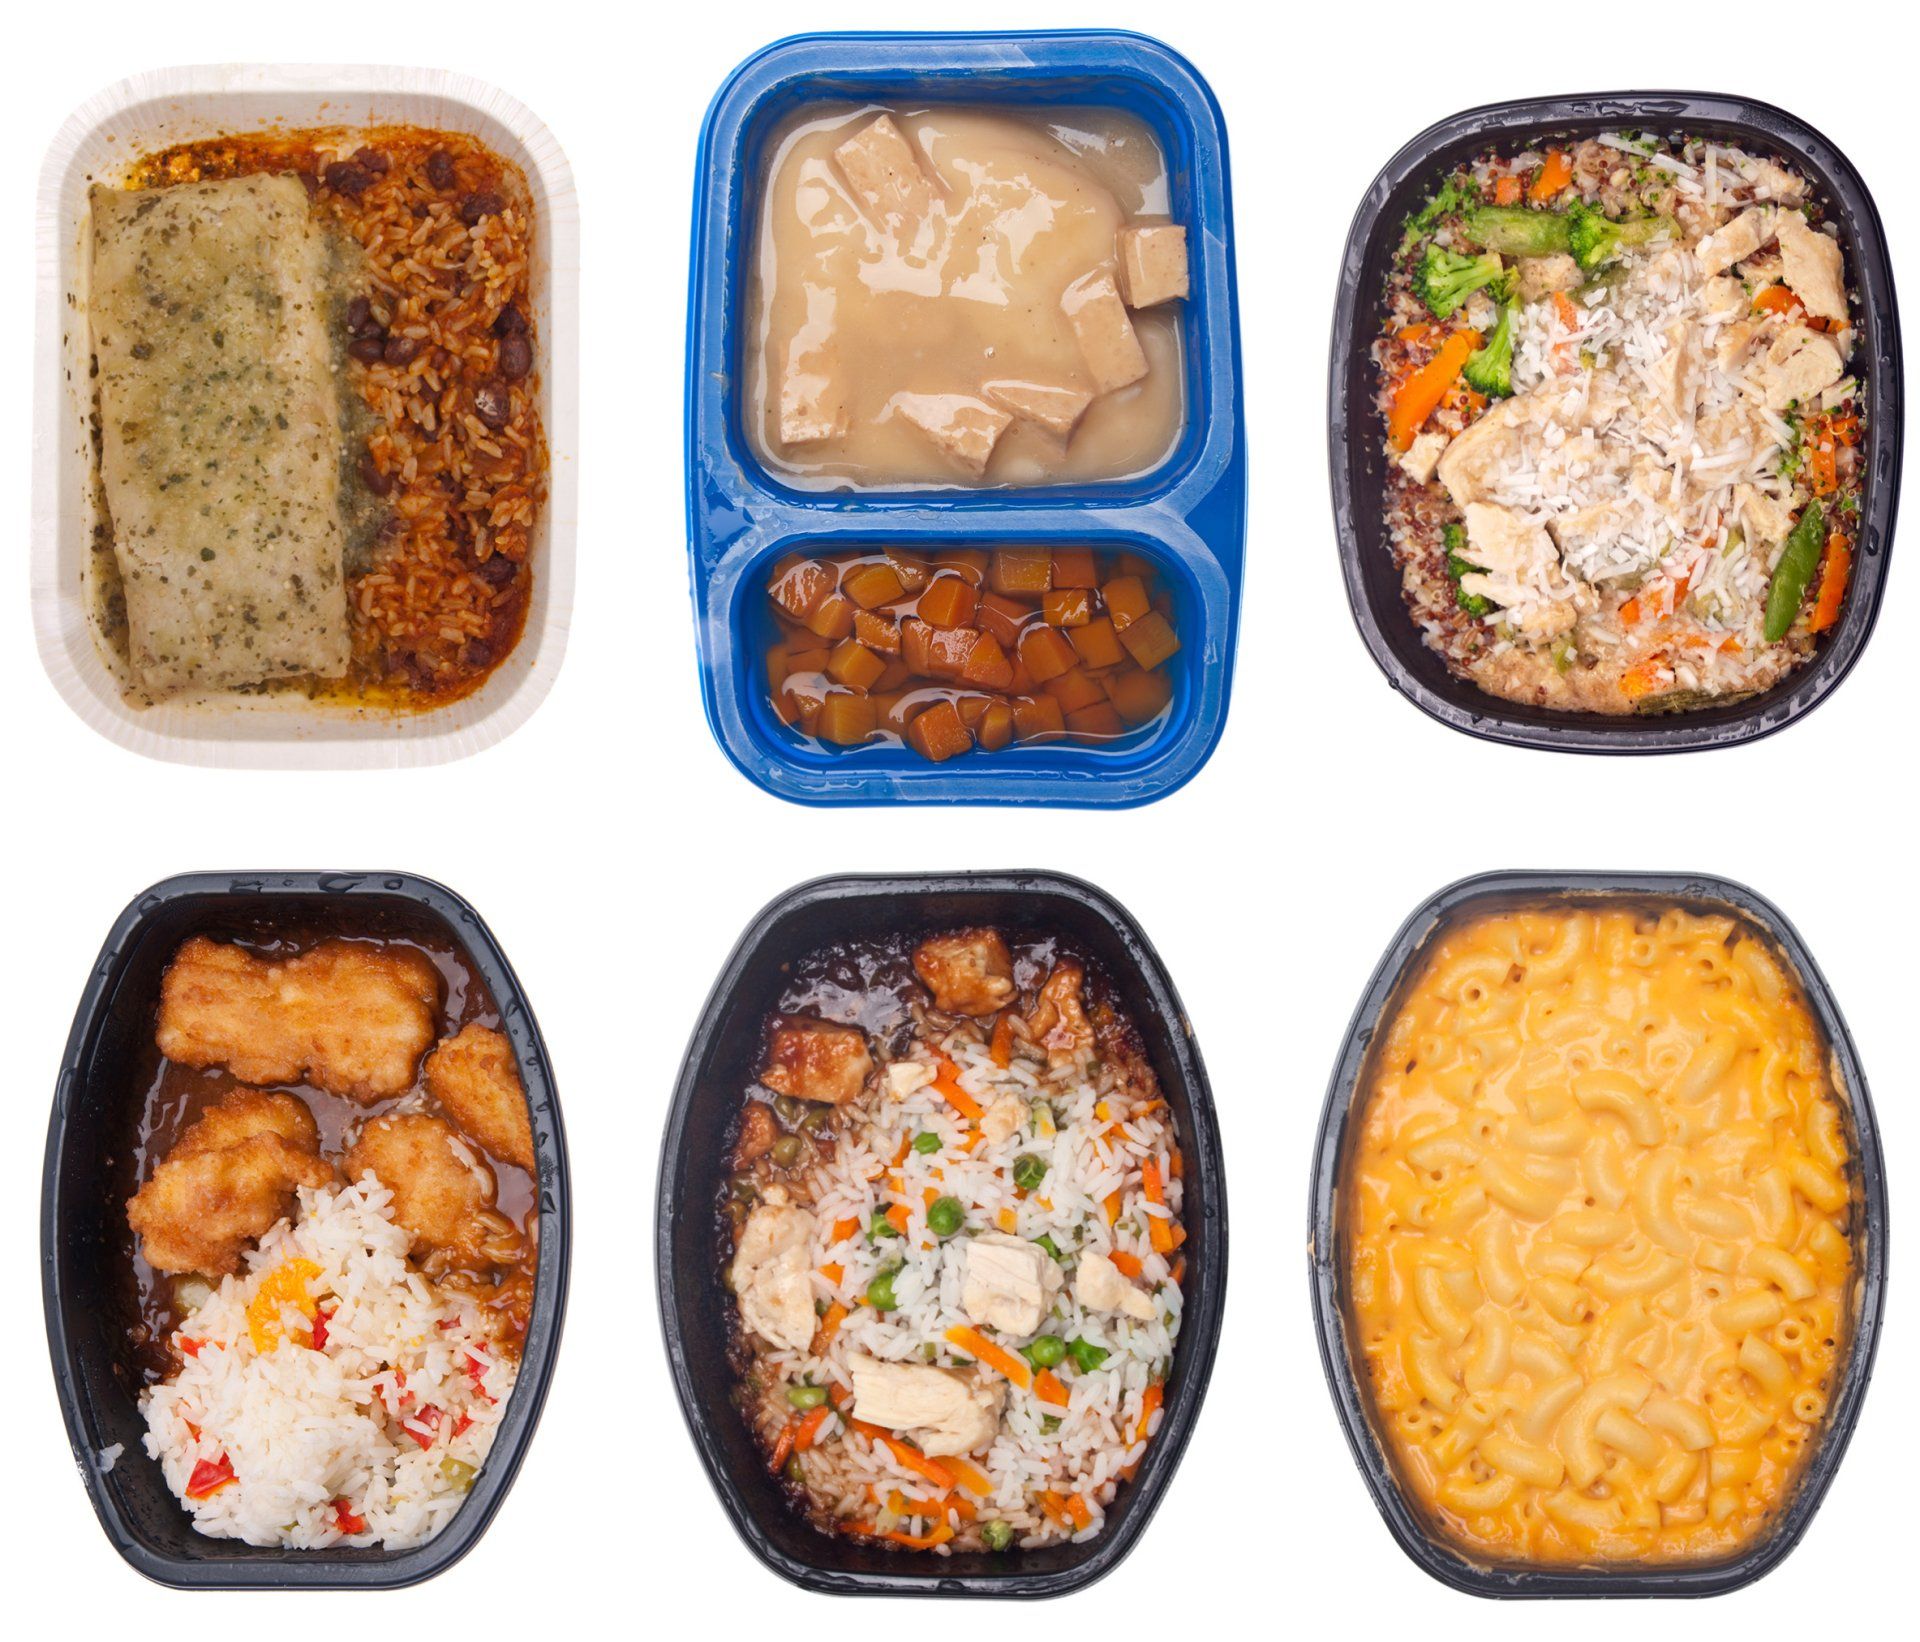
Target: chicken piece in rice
443	1191
969	972
475	1079
816	1060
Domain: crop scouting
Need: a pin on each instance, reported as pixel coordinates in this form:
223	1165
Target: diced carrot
1565	311
1419	396
949	601
1027	570
1150	1401
854	665
1008	1221
995	729
1823	465
878	632
1096	723
937	734
799	585
947	1085
1047	1387
1126	600
873	584
1506	191
809	1427
1097	644
917	1462
1037	718
1001	1049
1056	1508
898	1217
1775	299
1159	1228
987	664
1067	607
977	1346
1150	640
1415	333
950	649
1075	567
1112	1207
833	620
838	1395
915	570
829	1326
1179	1271
1075	689
1138	696
1630	611
1128	1263
834	1272
846	720
968	1475
1002	618
1551	178
1833	583
1046	653
845	1228
1643	678
1082	1516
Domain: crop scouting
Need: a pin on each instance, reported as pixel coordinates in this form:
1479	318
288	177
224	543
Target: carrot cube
1075	567
969	563
1138	695
948	602
877	632
995	729
800	703
1046	653
855	666
846	720
972	707
1022	684
1067	607
1097	723
811	660
1002	617
1035	718
799	585
891	711
1075	689
1126	598
832	617
916	644
1097	644
873	584
1151	639
894	678
1136	564
776	665
915	570
987	664
949	648
1026	570
937	734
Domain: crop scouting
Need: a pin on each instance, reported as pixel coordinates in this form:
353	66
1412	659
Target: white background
618	855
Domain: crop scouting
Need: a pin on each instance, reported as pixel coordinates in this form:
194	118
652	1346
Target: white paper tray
174	105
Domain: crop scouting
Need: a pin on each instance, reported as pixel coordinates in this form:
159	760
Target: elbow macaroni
1600	1235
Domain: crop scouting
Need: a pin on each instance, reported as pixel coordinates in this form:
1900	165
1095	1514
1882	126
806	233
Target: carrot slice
1833	583
947	1084
1159	1227
978	1346
1055	1507
829	1326
897	1217
1150	1401
783	1444
843	1229
917	1542
966	1473
1002	1047
1419	396
1551	178
1128	1263
917	1462
809	1427
1112	1207
834	1272
1077	1509
1047	1387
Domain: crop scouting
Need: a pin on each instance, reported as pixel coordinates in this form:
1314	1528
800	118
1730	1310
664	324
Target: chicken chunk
948	1412
969	972
1100	1285
758	1132
1422	456
1059	1020
351	1019
474	1077
906	1077
1109	346
770	1274
1737	241
1005	1118
1542	276
817	1060
226	1182
1046	405
1814	269
882	171
442	1191
1803	363
1009	1284
964	429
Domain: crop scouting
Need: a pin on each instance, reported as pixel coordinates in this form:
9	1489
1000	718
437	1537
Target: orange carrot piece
1159	1227
1775	299
1128	1263
1150	1401
898	1218
981	1349
918	1542
1077	1509
947	1084
1419	396
834	1272
1048	1388
1001	1048
1112	1207
1008	1220
1833	583
1641	679
1551	178
966	1473
917	1462
783	1444
1506	191
809	1427
829	1326
838	1395
843	1229
1055	1507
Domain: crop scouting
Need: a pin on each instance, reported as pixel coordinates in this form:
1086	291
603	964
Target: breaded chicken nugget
226	1182
474	1078
442	1190
351	1019
969	972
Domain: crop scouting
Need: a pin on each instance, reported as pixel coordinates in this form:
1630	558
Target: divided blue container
1188	514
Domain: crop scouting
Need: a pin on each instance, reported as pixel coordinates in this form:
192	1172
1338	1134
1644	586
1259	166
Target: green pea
1028	1171
880	1226
796	1472
1045	1241
806	1396
926	1143
789	1107
1086	1355
1046	1352
1049	1423
816	1120
787	1150
998	1535
458	1473
880	1293
745	1188
945	1216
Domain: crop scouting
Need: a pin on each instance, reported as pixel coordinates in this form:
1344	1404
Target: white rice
386	1423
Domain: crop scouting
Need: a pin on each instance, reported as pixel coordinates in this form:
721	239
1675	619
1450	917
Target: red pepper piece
209	1477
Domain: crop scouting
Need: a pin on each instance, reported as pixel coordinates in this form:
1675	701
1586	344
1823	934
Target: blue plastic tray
1189	513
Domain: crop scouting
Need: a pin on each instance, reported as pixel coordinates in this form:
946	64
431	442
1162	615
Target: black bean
516	357
440	169
360	320
371	159
511	322
492	403
368	349
498	570
346	177
402	350
476	655
475	206
376	481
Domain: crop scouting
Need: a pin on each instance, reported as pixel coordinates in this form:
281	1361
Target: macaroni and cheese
1600	1235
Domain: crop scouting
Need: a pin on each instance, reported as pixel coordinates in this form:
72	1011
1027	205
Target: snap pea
945	1216
1798	560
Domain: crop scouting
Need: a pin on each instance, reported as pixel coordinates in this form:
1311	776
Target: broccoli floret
1445	279
1596	239
1515	231
1454	195
1489	370
1455	538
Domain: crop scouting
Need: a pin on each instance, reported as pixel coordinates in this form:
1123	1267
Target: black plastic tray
692	1306
1358	458
82	1225
1491	892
